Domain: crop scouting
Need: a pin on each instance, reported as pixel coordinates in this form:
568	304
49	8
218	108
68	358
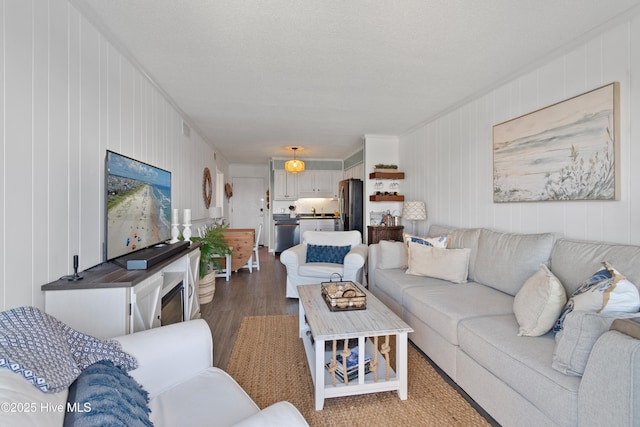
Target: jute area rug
269	362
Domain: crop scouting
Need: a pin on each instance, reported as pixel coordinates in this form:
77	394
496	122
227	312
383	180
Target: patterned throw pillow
327	253
437	242
49	353
607	291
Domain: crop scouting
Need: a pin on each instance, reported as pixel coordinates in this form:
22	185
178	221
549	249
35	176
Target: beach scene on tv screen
138	205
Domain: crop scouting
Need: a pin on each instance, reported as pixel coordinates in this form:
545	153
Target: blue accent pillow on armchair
327	253
106	395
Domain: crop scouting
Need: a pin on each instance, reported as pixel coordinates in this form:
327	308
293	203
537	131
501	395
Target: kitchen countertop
319	216
308	216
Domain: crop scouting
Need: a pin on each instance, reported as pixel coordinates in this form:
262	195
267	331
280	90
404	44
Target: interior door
248	204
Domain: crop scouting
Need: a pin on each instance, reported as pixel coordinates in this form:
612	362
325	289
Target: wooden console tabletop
111	275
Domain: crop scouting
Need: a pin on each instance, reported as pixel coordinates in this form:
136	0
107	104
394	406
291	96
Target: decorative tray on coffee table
343	296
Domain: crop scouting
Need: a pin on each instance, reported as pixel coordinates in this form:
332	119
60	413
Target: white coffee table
376	323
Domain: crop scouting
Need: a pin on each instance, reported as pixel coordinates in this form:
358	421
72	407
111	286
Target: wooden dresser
375	233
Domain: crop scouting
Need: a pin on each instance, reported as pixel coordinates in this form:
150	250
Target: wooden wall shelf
386	175
386	198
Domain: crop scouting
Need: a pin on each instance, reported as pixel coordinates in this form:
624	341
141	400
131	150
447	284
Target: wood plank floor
260	293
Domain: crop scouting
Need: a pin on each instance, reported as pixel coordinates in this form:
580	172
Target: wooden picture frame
566	151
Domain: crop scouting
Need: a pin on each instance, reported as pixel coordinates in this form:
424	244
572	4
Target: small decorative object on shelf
380	167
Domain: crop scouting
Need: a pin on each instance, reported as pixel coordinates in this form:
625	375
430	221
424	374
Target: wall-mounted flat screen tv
138	205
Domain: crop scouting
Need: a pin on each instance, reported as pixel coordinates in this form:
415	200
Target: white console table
111	301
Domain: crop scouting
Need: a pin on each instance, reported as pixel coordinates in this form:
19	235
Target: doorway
248	204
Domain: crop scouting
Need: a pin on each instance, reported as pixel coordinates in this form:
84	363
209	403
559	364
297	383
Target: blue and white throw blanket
50	354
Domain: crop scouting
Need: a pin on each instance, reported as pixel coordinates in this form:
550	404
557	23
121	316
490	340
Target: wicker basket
207	288
343	296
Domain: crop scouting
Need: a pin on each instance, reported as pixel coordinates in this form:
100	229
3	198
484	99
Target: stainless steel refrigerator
351	204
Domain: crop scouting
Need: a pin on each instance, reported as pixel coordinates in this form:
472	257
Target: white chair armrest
354	262
294	256
170	354
357	256
277	415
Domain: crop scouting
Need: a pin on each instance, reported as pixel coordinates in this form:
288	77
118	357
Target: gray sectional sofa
471	332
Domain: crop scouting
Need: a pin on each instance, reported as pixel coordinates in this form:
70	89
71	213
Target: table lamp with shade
414	211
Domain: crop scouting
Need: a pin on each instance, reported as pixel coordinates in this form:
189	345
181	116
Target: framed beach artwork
566	151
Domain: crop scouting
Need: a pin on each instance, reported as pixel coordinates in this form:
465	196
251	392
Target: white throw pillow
579	334
538	303
391	255
447	264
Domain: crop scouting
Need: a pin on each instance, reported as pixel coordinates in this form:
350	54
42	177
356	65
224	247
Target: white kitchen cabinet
325	225
316	224
306	225
318	183
284	185
336	177
307	184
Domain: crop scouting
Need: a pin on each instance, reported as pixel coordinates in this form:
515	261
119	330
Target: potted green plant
212	246
381	167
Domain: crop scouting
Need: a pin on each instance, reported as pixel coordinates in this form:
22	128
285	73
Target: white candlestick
187	216
175	233
175	217
186	233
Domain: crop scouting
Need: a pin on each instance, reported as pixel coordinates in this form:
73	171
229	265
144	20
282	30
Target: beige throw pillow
447	264
538	303
436	242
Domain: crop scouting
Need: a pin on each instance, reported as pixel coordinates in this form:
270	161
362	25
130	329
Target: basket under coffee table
371	328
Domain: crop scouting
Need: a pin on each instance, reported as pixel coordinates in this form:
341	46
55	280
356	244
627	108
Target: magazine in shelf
352	365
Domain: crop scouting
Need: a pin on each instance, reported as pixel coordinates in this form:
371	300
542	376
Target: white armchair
299	272
174	367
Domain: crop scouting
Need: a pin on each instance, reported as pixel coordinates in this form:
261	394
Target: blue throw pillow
105	395
327	253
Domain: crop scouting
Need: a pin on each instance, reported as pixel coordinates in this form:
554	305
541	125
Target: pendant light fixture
294	166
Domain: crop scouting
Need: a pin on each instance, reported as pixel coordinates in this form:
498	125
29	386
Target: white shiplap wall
67	96
448	161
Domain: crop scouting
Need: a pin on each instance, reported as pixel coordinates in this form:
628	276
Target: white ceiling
254	77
